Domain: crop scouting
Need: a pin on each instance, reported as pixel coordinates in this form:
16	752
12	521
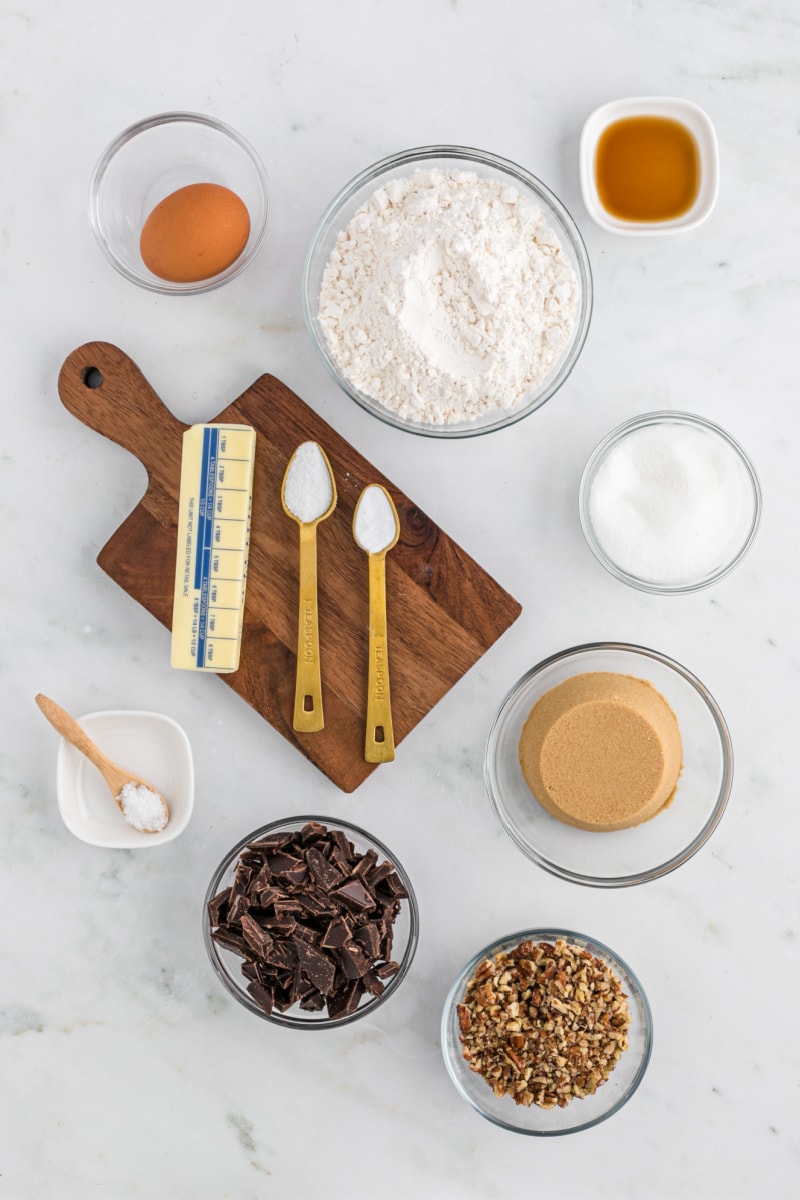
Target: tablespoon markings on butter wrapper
132	795
308	496
376	530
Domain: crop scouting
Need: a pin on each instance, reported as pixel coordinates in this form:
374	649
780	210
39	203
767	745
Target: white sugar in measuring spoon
376	530
308	496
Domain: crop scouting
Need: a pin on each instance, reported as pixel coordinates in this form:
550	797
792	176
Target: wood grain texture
445	611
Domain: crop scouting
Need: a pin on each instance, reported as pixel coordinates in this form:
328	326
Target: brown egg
195	233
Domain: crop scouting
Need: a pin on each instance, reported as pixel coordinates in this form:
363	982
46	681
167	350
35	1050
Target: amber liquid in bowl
647	169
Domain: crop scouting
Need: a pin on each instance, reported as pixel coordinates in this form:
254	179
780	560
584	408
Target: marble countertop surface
127	1072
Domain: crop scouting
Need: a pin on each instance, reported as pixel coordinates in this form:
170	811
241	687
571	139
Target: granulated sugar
670	504
447	296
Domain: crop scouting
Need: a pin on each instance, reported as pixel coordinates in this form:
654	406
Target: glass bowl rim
466	154
676	860
284	1019
616	436
164	287
548	934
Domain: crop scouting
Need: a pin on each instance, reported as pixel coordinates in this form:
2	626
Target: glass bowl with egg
310	923
609	764
448	291
179	203
530	973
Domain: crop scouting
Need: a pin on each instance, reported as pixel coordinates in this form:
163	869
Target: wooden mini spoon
308	716
379	739
114	776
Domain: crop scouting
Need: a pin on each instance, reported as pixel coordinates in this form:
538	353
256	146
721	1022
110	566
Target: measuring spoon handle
308	715
379	741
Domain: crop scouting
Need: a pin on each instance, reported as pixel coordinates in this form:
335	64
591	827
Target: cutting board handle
105	389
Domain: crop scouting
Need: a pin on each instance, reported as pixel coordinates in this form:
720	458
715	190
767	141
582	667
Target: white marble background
126	1071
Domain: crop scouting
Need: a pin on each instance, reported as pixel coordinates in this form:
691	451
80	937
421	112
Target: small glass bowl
579	1113
742	536
489	166
227	965
153	158
626	856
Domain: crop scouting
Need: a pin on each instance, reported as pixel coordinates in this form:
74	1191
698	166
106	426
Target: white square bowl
688	114
149	745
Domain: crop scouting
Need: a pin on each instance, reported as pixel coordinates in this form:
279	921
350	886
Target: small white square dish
649	165
151	746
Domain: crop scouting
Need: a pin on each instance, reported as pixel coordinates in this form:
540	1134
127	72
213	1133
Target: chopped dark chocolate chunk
373	984
312	831
369	939
337	933
354	895
325	873
216	907
263	996
231	941
282	862
313	1002
317	967
366	864
313	920
385	969
352	960
272	843
237	907
395	885
241	879
255	936
346	1001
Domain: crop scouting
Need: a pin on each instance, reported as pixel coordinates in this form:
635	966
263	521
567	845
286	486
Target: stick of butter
213	542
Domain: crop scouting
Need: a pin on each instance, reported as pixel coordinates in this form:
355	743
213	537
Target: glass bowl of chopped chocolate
448	291
310	922
546	1032
609	764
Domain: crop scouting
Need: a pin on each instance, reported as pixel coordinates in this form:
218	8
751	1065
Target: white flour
447	296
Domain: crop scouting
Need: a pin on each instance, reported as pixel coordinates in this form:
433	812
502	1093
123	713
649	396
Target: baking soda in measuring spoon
668	504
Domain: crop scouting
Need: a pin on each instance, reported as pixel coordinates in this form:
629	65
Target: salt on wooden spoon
376	530
308	496
140	804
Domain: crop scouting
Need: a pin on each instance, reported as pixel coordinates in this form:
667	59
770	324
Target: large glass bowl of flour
448	291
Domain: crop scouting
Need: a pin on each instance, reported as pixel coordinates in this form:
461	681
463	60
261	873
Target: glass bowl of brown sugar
310	922
609	764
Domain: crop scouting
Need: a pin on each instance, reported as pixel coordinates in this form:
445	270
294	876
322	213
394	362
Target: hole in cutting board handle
92	377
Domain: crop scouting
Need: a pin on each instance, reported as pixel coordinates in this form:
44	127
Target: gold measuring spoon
308	496
376	530
140	804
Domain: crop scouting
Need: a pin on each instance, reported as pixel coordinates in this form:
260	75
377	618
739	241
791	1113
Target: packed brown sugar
602	751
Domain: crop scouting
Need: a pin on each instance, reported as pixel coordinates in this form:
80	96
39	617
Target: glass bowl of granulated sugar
448	291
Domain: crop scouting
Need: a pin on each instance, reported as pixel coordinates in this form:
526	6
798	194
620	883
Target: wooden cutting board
444	610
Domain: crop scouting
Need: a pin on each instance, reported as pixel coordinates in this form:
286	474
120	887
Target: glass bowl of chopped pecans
546	1032
310	922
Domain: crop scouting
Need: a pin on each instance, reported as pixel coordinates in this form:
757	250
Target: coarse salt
308	490
670	504
143	808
